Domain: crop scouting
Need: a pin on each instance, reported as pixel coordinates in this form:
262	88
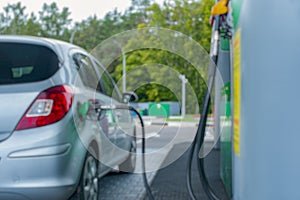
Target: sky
80	10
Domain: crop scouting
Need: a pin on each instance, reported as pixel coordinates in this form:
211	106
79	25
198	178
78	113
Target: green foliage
51	23
87	33
54	22
13	19
188	17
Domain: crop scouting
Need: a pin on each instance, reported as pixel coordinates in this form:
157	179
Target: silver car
53	142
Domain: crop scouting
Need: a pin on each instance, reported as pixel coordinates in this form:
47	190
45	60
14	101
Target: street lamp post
124	70
183	98
72	36
123	67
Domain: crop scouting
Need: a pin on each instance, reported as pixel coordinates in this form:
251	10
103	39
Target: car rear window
23	63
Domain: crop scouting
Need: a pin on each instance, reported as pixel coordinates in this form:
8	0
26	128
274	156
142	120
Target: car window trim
74	51
96	62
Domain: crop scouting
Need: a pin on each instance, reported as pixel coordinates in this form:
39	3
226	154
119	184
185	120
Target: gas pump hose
130	108
199	141
199	138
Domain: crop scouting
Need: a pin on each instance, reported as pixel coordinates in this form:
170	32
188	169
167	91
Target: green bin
159	109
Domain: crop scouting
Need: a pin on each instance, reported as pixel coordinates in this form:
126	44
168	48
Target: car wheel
129	164
88	188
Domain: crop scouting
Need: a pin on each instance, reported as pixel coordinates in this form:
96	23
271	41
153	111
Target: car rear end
40	153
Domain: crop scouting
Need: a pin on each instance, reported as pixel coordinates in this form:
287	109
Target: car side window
110	89
86	71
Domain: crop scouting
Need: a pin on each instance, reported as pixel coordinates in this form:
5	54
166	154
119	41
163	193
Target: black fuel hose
200	161
199	138
199	141
126	107
145	180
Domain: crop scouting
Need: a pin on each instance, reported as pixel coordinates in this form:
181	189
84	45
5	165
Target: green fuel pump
264	75
265	70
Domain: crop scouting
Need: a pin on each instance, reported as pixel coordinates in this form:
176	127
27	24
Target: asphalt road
159	142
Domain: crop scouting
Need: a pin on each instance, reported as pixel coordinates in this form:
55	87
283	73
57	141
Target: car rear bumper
41	163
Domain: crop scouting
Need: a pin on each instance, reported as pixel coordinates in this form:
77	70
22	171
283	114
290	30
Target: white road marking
149	135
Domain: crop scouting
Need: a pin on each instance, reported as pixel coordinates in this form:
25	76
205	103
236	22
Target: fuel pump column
266	96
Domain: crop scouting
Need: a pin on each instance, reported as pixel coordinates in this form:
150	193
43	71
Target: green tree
55	23
13	19
32	26
188	17
92	31
86	33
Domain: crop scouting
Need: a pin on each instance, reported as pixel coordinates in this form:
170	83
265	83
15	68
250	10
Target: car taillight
49	107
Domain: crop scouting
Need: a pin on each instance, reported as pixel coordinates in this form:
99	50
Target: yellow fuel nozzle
220	8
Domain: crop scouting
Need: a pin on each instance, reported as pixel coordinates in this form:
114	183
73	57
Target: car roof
59	47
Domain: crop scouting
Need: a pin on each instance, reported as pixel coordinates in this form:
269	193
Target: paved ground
160	140
117	186
170	183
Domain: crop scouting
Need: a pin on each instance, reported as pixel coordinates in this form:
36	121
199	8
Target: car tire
88	187
128	165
